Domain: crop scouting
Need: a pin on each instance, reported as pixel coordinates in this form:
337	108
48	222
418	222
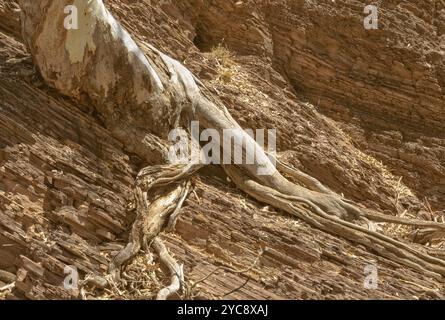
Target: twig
230	270
236	289
8	286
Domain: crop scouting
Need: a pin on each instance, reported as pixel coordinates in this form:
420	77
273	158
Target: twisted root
313	214
176	271
428	229
169	188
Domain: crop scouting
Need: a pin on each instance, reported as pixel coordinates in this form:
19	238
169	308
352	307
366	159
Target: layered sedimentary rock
385	86
65	184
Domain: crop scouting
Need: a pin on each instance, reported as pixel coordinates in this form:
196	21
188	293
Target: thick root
315	215
176	270
303	178
428	230
168	192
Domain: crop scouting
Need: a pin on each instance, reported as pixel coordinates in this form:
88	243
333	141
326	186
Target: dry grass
141	282
223	55
368	168
227	68
400	192
230	75
393	182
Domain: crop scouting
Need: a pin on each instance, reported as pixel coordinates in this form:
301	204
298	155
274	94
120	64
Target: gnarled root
168	190
313	214
428	230
302	178
176	270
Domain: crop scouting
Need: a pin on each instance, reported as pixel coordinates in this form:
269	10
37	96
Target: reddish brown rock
341	98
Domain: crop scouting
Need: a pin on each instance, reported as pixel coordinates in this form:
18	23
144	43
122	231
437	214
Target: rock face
361	110
385	86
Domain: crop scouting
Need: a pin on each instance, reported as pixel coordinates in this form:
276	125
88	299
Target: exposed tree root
168	190
315	216
95	281
176	271
302	178
150	91
429	229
